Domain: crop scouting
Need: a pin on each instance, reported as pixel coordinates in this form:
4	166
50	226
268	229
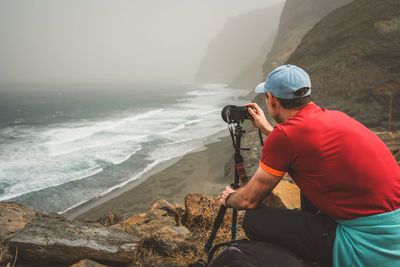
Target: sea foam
108	151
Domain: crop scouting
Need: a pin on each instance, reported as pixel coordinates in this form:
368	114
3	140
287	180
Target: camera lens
225	114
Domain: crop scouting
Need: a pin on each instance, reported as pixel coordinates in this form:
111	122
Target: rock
165	205
127	224
284	195
159	229
145	225
273	200
289	195
55	240
13	218
175	232
170	240
88	263
153	221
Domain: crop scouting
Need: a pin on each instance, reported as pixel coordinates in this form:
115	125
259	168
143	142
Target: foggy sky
94	41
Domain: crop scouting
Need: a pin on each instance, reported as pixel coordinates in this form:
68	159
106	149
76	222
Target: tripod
240	174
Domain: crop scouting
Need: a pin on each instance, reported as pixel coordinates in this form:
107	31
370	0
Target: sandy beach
200	171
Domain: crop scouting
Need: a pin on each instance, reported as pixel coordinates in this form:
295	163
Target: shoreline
85	207
201	170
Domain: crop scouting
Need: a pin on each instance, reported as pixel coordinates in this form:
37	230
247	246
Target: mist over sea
62	147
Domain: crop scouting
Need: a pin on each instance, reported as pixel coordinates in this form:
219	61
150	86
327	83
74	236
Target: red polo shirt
342	167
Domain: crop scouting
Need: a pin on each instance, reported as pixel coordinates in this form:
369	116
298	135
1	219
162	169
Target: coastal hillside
238	44
353	58
297	18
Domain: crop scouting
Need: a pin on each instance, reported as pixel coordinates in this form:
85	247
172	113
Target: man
340	166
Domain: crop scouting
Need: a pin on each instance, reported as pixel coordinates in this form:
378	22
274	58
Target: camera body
236	114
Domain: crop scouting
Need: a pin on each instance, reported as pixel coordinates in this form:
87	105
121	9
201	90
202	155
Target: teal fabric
368	241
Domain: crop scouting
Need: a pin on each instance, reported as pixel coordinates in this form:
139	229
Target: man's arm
250	195
259	120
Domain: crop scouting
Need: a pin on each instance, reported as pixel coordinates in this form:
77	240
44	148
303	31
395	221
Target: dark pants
308	235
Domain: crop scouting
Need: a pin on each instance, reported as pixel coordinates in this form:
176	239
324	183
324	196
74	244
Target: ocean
61	147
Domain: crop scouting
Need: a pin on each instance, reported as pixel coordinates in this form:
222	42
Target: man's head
287	88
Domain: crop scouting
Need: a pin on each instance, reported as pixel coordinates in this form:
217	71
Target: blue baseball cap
283	81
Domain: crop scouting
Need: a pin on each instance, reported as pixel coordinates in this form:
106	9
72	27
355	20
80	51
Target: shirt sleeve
276	153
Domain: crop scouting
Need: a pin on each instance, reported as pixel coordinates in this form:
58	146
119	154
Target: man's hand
225	194
259	120
250	195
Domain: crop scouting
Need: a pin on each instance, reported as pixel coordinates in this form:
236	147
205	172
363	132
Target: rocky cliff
251	74
353	58
297	18
238	44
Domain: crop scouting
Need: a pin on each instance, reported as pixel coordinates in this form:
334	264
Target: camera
236	114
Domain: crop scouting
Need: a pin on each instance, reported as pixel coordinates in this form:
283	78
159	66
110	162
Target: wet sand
201	171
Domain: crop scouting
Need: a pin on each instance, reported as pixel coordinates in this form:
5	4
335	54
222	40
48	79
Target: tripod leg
234	224
217	223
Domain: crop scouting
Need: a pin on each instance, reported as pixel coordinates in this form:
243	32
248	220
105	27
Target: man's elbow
251	204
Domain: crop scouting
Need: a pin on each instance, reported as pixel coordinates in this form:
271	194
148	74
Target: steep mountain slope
238	44
251	73
353	58
297	18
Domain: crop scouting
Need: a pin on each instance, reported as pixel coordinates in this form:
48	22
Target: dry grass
201	228
16	256
147	258
111	219
6	257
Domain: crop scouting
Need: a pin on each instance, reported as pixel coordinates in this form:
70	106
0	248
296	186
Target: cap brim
260	89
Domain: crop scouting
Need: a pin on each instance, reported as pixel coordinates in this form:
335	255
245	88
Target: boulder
170	240
288	194
284	195
88	263
57	240
127	224
13	218
160	229
145	225
165	205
